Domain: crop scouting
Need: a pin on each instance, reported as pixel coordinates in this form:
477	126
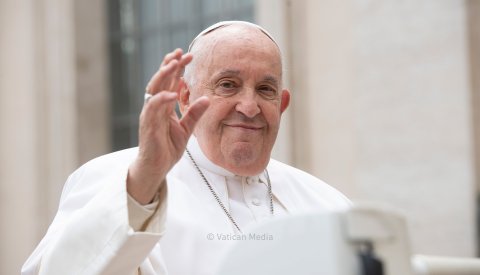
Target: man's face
240	72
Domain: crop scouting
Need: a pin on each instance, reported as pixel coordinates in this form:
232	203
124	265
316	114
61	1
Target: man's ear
184	96
284	100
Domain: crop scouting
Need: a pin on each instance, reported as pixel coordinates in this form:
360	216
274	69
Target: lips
245	126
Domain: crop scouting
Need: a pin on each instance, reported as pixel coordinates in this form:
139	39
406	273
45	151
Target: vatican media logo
239	237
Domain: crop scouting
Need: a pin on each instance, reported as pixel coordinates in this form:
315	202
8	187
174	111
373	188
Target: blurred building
385	107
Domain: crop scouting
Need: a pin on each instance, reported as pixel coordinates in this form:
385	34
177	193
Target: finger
161	80
161	106
194	113
156	112
176	54
186	58
160	100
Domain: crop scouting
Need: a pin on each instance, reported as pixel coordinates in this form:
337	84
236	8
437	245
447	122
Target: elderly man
153	209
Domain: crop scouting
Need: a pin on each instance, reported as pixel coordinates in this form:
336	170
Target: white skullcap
228	23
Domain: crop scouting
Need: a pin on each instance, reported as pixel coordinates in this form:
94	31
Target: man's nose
248	103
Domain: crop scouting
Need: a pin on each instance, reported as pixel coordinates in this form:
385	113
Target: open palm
162	135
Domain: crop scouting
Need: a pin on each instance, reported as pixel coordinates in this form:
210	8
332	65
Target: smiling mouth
245	126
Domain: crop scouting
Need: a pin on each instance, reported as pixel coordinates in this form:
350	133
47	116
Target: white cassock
99	229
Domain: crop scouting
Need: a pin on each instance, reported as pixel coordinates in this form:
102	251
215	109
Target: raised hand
162	135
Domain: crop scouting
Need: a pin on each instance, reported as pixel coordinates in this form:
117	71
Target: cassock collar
207	164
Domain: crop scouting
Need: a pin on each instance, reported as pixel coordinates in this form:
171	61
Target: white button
252	180
256	201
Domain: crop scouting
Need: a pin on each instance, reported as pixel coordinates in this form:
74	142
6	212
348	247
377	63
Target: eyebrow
271	79
230	72
227	72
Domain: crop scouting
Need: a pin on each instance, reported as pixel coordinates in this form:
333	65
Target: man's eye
226	88
227	85
268	92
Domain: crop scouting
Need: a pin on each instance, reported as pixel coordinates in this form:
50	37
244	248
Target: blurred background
385	107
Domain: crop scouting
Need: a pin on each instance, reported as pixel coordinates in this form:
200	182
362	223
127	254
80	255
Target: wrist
143	183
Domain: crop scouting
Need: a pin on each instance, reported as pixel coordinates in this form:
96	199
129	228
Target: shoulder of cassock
94	172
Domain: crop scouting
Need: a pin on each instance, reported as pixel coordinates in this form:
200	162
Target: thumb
194	113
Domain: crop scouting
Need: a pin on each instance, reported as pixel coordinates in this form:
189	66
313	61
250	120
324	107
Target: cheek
219	109
272	115
212	118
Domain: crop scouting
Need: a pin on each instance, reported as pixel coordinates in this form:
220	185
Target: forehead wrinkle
227	72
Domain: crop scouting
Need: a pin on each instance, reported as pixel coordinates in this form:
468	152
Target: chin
246	160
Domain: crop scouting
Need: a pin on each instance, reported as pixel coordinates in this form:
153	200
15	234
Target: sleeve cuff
150	217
